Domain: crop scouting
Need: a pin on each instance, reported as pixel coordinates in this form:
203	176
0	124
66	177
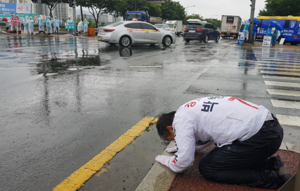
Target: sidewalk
163	179
36	34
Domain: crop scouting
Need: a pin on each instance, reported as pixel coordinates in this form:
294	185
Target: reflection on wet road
63	100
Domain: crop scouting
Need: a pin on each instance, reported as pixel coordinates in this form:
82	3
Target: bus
290	24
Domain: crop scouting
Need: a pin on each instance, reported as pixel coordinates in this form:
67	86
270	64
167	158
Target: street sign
267	41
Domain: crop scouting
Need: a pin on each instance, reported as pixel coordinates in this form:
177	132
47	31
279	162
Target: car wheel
217	39
167	41
206	39
125	41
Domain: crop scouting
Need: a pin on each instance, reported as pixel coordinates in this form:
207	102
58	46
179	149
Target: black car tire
217	38
125	41
167	41
205	39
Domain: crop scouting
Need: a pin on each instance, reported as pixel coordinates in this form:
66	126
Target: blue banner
70	26
8	7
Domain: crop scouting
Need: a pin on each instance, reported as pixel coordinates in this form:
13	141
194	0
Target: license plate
228	33
192	31
259	36
100	37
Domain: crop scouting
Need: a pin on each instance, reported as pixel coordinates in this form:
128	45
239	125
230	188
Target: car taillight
296	36
186	29
200	30
109	30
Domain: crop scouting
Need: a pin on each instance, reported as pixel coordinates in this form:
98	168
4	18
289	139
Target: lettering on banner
208	106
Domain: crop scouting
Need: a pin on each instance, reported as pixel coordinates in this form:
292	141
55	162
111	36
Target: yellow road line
80	176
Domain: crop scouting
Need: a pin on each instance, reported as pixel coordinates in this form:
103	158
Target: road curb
159	177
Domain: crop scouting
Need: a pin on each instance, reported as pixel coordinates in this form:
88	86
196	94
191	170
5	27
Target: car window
146	26
194	26
134	26
287	24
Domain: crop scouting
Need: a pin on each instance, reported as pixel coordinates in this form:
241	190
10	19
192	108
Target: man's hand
171	150
163	159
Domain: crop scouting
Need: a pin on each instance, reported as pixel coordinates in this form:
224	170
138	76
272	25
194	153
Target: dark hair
165	120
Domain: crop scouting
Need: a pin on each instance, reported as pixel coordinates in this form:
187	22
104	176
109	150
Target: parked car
200	30
162	26
126	33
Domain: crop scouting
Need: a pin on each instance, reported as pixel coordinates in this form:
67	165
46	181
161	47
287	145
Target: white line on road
280	73
283	92
289	120
284	84
272	66
286	104
281	77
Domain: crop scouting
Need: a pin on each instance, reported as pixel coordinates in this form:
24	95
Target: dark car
199	30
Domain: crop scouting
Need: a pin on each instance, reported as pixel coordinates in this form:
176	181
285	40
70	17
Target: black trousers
246	163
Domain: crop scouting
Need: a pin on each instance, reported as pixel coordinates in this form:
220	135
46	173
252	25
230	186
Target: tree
51	4
172	11
120	7
215	22
281	8
95	7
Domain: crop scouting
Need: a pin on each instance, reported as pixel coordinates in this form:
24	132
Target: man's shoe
281	170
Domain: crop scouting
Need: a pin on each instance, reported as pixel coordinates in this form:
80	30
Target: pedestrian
79	27
31	25
274	33
13	24
246	136
246	31
56	25
41	24
26	25
70	22
85	26
269	31
7	25
49	25
18	24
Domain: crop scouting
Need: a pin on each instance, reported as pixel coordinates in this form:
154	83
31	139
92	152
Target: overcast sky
217	8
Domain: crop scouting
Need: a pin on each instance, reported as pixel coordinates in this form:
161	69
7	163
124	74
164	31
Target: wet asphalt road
64	100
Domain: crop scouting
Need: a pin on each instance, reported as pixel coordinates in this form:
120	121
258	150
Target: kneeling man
246	136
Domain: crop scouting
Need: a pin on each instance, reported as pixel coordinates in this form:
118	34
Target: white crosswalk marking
285	84
286	104
283	92
289	120
272	66
280	73
281	77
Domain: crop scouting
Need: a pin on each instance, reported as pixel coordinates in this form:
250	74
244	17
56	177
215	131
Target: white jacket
220	120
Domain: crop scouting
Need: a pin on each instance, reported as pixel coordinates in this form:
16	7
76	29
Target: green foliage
193	16
281	8
172	10
215	22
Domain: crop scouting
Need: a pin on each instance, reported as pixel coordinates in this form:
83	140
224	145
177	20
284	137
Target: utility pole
74	16
250	39
81	13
